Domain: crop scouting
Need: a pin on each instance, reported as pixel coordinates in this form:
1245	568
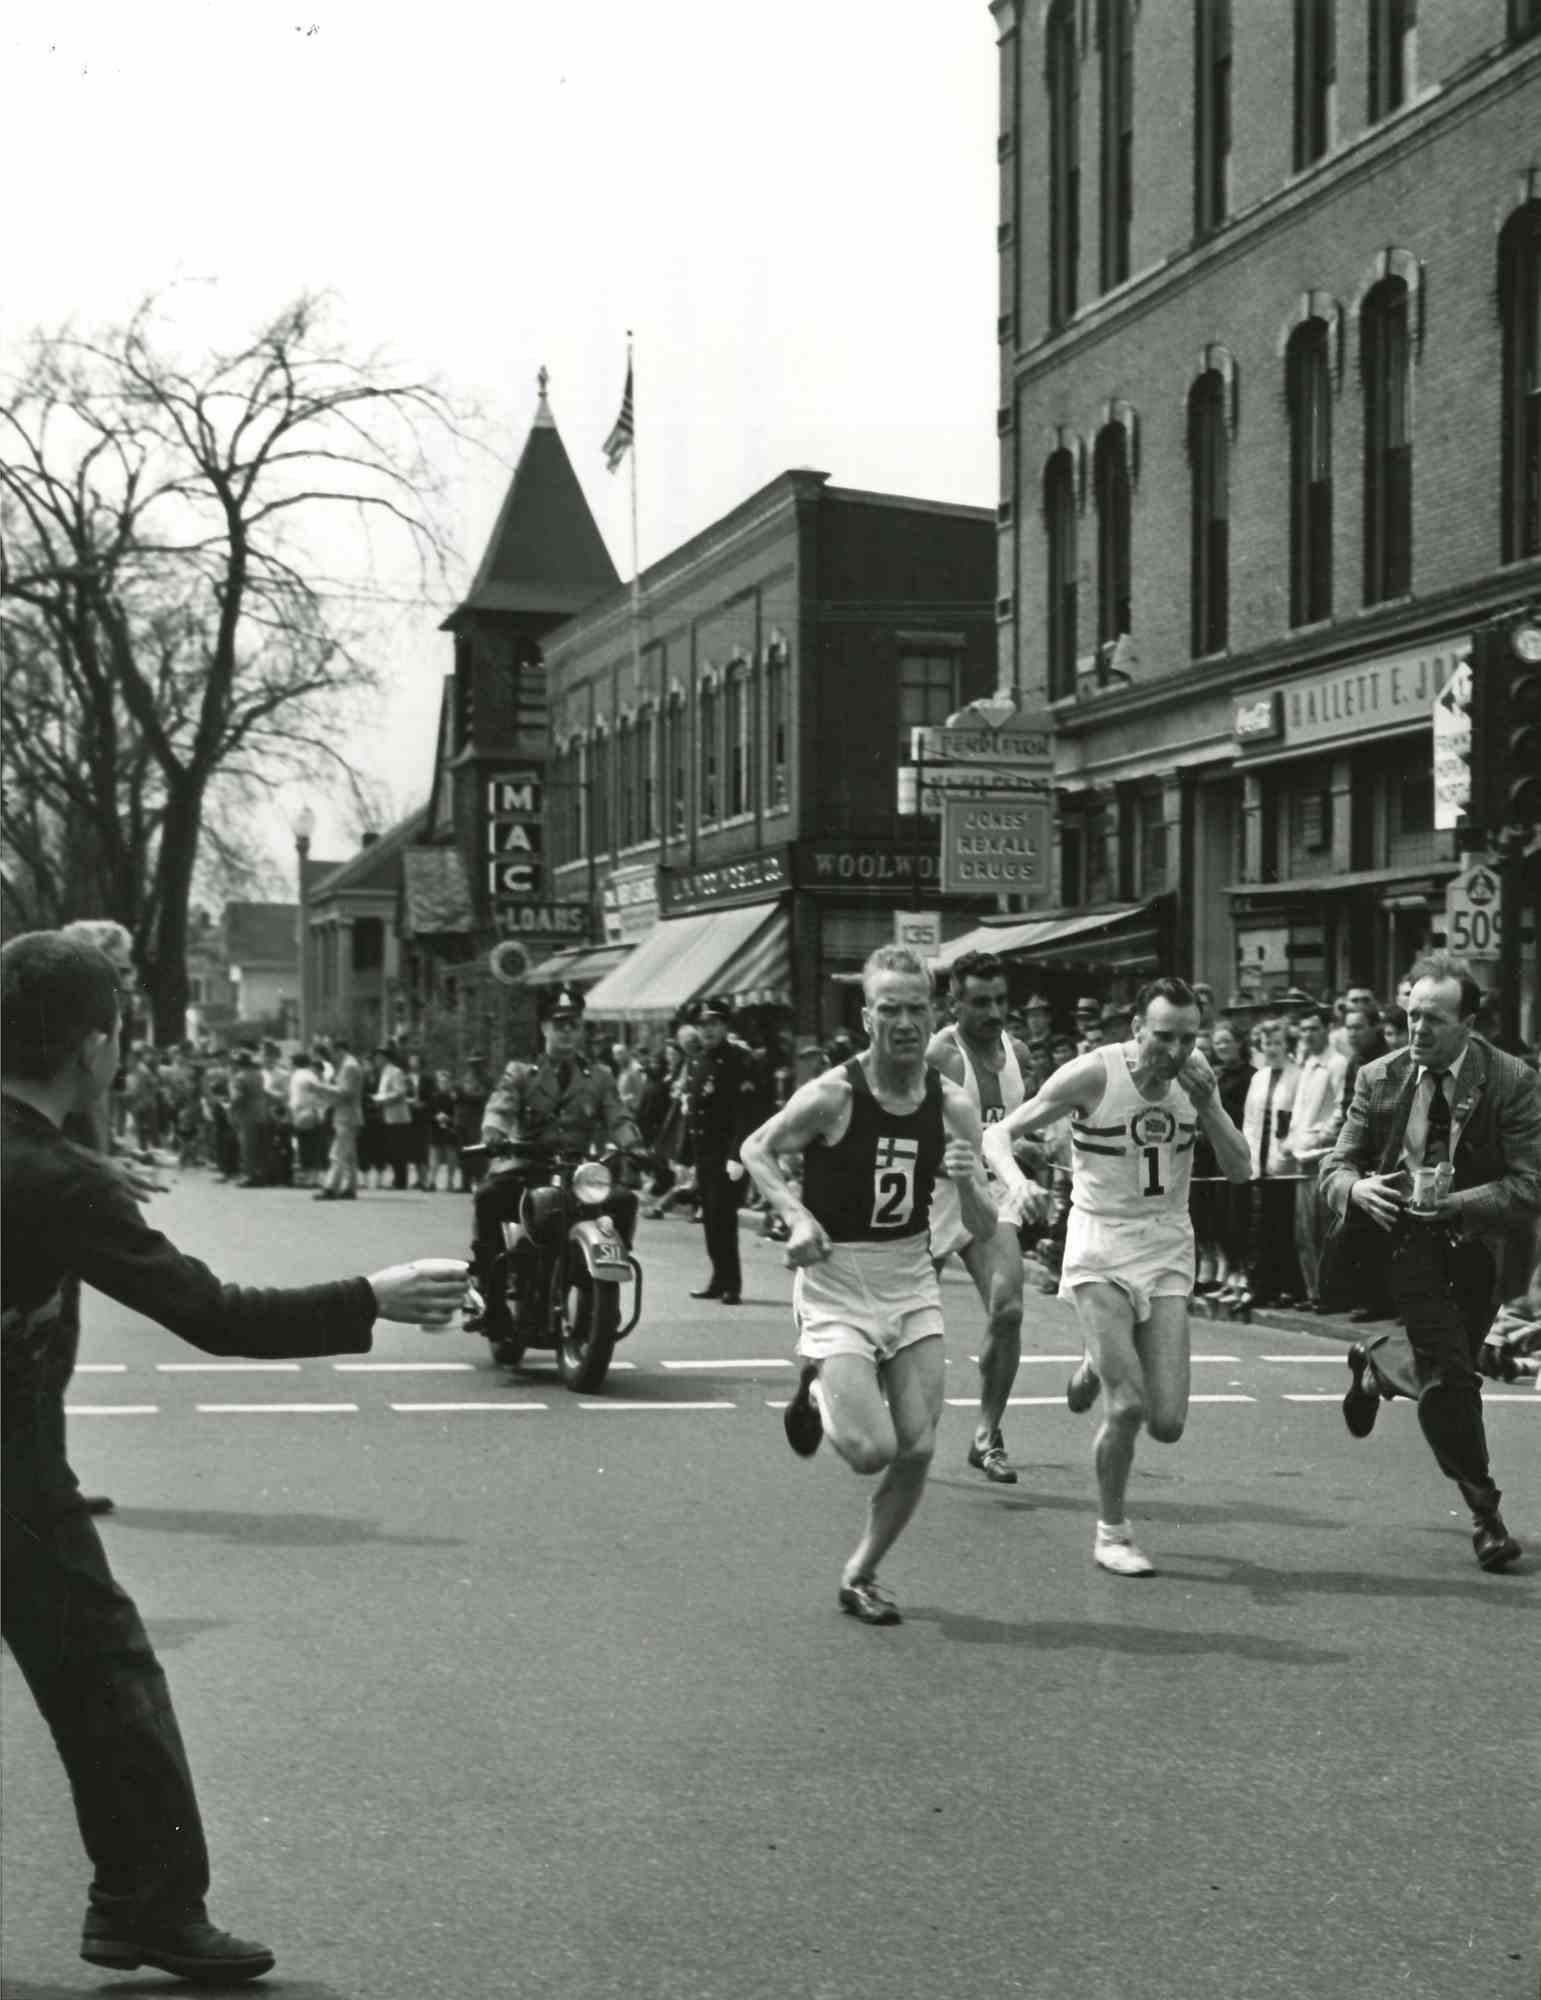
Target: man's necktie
1436	1133
564	1076
1273	1085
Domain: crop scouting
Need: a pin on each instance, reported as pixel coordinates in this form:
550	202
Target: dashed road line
227	1367
658	1406
101	1367
112	1409
274	1409
404	1367
442	1408
710	1367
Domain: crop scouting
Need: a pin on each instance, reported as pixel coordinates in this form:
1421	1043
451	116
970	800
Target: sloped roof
545	552
438	895
262	933
315	872
376	868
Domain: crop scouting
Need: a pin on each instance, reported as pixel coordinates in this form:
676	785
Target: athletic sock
1113	1531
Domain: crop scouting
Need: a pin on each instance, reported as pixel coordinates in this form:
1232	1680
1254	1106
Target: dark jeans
1443	1294
81	1646
719	1217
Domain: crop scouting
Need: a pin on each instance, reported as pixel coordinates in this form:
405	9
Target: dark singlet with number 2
874	1185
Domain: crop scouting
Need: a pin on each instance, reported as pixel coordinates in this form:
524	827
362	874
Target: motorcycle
565	1260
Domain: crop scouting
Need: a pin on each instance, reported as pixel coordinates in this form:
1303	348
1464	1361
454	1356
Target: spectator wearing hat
1088	1018
564	1102
721	1090
471	1094
1038	1029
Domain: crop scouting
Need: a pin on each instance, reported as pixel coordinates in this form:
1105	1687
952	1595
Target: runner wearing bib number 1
875	1135
1135	1108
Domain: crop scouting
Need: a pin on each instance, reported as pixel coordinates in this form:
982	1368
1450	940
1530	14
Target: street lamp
304	827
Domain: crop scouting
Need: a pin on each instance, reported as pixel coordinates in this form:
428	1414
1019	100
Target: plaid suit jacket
1495	1128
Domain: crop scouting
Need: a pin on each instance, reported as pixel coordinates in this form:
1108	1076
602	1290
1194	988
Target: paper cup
440	1267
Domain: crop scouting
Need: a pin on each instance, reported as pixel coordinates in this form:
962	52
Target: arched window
1212	114
1519	301
708	725
1209	469
603	822
1111	487
1308	393
1385	368
676	767
736	718
778	721
645	783
1059	529
1062	67
1116	40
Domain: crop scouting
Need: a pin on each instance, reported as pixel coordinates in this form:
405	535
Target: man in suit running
1449	1099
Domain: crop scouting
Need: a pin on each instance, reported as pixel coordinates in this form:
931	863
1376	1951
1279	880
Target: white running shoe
1119	1554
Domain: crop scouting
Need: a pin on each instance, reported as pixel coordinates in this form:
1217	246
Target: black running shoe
800	1419
864	1598
191	1948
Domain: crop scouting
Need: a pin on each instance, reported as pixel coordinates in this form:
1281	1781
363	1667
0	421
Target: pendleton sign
996	846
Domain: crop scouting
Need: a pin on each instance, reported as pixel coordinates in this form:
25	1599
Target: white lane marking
1072	1360
1222	1399
1325	1356
1012	1402
227	1368
1512	1396
403	1367
658	1406
545	1364
101	1367
271	1409
1315	1396
706	1367
468	1406
112	1409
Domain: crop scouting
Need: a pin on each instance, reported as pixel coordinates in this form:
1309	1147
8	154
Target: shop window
1313	821
1410	836
1059	525
1388	443
1063	77
1308	390
1212	114
1391	37
1210	473
675	767
1519	299
579	811
1152	857
1415	802
1116	46
928	694
778	722
368	944
708	725
1315	78
1071	851
1111	486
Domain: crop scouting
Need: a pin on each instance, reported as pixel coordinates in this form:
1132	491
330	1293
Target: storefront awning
1127	936
578	965
744	953
998	938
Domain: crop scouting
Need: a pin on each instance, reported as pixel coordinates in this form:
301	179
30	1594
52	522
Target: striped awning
1126	935
578	965
744	953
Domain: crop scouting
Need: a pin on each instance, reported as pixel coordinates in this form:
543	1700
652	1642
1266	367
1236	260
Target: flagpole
636	573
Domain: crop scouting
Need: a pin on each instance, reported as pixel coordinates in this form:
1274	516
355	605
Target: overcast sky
793	205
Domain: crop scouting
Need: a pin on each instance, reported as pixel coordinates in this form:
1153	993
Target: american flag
619	441
897	1152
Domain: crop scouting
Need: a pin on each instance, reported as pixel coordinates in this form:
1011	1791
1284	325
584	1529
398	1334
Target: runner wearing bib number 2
1135	1108
875	1135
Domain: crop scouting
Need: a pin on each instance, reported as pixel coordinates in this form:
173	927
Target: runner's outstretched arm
808	1117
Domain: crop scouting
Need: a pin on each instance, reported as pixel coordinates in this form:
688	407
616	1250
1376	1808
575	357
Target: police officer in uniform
720	1104
562	1103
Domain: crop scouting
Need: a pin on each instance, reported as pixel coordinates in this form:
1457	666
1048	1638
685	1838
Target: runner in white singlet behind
1135	1108
976	1052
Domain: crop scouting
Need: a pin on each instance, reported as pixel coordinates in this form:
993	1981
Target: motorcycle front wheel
586	1318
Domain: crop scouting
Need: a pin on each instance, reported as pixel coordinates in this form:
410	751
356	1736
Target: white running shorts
871	1299
1145	1262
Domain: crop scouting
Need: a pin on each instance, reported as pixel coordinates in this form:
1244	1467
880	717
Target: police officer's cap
715	1007
561	1002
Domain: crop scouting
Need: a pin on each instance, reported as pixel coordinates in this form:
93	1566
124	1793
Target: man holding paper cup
75	1634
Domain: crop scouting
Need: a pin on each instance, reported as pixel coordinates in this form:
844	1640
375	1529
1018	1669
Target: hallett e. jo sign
1348	702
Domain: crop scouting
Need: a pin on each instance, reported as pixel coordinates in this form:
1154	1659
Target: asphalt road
550	1696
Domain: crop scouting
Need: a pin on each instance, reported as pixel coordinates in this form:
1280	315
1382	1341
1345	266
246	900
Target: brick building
1270	445
725	753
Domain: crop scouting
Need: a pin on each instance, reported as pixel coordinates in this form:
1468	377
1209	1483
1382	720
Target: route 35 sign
1472	924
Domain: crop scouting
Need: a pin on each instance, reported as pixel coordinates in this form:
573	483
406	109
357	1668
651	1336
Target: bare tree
165	643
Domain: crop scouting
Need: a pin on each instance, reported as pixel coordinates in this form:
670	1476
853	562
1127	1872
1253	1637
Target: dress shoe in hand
1496	1548
1361	1406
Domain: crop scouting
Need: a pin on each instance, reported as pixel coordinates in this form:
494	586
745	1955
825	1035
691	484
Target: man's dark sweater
64	1212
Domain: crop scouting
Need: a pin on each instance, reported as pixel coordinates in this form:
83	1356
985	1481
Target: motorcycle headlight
592	1183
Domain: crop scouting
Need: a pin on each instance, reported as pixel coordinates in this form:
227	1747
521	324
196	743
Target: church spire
543	416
